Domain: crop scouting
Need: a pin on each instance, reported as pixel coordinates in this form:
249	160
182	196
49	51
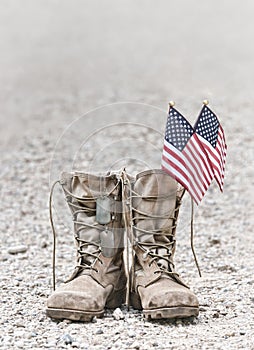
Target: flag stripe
214	160
170	157
217	156
171	170
196	154
180	162
186	164
190	157
174	156
204	161
177	171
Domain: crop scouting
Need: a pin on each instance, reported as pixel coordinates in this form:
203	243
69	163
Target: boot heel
116	299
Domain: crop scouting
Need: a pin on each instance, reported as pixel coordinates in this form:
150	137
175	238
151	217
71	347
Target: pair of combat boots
110	212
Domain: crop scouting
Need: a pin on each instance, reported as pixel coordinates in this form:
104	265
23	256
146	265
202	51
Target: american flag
211	135
184	157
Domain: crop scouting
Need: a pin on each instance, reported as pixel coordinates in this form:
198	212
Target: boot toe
79	299
171	298
83	301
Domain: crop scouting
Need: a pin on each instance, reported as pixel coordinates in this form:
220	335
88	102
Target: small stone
20	325
230	334
66	321
215	241
99	331
118	314
51	344
75	344
19	344
67	339
4	257
44	244
202	308
131	334
135	345
17	249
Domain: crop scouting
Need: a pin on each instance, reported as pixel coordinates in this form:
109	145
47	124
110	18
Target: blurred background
59	59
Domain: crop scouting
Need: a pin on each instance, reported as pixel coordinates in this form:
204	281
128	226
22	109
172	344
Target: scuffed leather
155	288
89	290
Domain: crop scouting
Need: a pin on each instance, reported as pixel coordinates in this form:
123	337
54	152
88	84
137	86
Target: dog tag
103	210
107	243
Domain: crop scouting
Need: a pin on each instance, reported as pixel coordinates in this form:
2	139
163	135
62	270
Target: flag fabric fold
211	135
194	156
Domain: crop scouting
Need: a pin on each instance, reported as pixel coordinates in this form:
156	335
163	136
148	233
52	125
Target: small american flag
211	135
184	157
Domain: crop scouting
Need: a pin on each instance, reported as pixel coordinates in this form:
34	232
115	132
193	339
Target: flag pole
192	234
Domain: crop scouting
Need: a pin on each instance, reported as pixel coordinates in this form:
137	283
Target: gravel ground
58	61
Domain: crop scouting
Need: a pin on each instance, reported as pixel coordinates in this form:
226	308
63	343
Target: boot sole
173	312
73	315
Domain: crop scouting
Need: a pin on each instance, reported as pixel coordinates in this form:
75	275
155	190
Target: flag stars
178	130
208	126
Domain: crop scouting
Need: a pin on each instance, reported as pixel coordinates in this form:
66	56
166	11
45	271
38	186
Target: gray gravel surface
60	59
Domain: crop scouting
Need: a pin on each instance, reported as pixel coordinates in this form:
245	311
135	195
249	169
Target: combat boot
99	279
155	200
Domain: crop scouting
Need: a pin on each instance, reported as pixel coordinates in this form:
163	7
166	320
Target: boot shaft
96	207
156	200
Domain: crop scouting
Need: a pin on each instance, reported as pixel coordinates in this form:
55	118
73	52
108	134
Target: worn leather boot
156	287
99	279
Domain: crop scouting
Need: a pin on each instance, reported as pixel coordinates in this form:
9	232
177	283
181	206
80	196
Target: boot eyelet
144	256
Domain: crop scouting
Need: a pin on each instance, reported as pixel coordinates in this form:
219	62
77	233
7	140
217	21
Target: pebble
135	345
20	325
118	314
17	249
19	343
67	339
131	334
75	344
44	244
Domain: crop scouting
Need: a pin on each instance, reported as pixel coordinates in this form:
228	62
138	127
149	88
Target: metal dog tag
107	243
103	210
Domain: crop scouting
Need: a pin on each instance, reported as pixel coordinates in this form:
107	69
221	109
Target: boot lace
154	249
82	244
